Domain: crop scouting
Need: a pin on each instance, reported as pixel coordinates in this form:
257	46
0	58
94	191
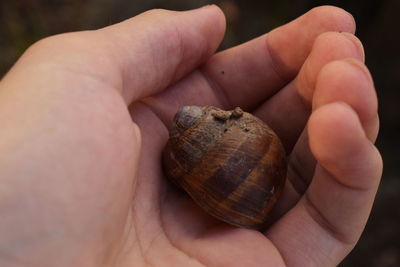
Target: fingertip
303	31
348	80
361	67
336	44
357	44
157	48
334	132
339	144
215	9
212	20
209	17
332	115
220	20
216	16
332	17
327	47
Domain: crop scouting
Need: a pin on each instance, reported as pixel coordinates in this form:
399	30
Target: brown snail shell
230	163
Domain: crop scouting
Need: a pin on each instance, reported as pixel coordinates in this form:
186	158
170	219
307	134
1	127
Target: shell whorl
229	162
184	118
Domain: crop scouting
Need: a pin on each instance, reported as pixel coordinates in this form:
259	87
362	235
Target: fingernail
362	68
353	21
357	43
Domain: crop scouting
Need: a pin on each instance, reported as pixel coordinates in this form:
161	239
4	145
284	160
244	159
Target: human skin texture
84	117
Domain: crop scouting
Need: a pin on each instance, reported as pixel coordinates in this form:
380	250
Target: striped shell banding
230	163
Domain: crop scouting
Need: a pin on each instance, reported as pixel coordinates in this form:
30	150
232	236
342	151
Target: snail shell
229	162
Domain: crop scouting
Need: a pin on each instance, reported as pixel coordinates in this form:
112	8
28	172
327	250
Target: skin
84	118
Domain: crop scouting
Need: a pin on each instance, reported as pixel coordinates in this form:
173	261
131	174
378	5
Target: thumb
138	57
159	47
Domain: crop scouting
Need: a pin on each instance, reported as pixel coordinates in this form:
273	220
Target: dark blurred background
23	22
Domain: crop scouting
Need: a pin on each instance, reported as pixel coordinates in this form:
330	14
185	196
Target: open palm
95	107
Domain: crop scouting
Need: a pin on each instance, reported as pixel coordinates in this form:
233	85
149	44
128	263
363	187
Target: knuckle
60	46
54	44
49	41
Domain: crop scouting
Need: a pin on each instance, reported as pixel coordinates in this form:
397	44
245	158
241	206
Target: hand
84	118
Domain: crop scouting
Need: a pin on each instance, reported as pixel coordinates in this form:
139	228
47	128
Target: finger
246	75
325	225
249	73
294	101
347	81
138	57
166	46
350	81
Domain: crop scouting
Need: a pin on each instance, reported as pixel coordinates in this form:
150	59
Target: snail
229	162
